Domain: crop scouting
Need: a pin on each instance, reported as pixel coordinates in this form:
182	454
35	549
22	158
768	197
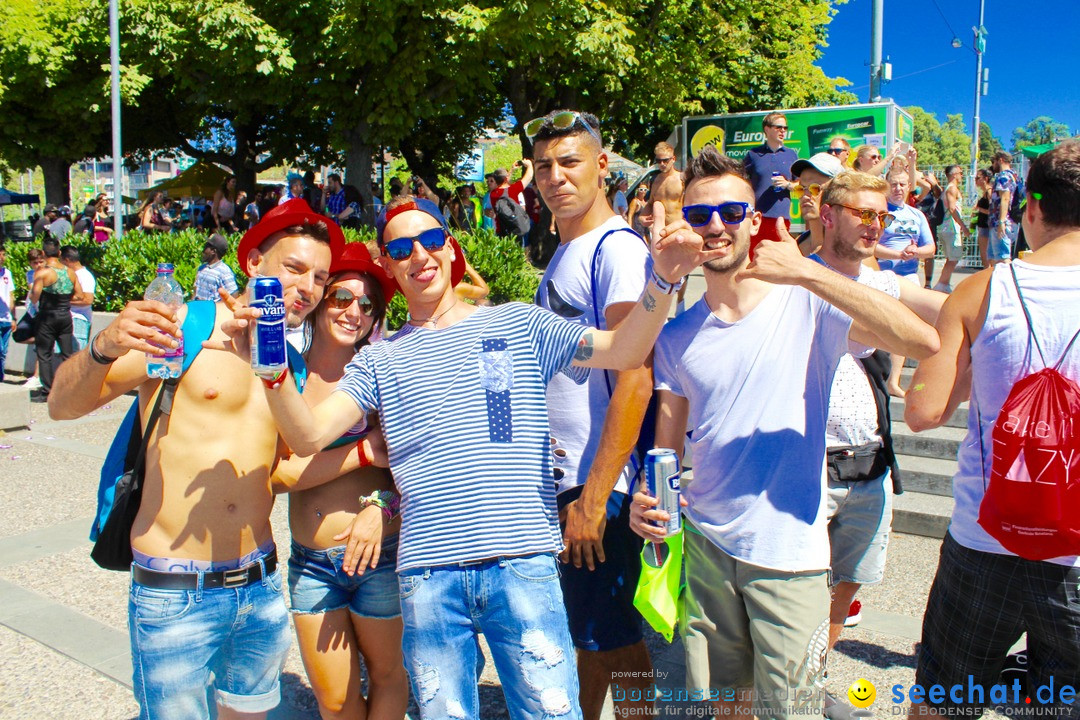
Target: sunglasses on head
401	248
731	213
559	121
798	190
867	216
341	298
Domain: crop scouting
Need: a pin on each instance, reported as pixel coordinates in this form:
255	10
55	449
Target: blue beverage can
662	482
268	349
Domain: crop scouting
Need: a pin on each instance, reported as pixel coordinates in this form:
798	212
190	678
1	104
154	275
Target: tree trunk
358	167
245	154
57	182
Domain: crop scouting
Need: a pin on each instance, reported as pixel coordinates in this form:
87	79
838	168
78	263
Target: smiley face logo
862	693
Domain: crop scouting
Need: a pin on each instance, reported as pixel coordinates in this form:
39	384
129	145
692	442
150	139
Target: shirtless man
667	188
206	589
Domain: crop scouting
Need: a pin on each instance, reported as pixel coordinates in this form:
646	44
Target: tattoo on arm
648	301
585	348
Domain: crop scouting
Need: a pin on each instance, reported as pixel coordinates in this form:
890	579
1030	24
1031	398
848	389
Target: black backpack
1016	202
513	220
934	208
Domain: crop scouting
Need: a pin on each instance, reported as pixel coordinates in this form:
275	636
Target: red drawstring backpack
1032	503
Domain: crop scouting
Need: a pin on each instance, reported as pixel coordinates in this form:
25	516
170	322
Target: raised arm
943	381
676	250
879	320
83	384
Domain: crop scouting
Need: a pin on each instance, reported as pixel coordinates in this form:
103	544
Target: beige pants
751	627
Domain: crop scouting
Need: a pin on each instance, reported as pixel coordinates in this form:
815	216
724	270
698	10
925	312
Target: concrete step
927	475
942	443
958	419
916	513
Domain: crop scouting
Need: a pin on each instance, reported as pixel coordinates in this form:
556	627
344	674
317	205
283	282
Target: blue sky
1032	53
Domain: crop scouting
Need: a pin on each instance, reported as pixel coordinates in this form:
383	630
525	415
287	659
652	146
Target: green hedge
125	267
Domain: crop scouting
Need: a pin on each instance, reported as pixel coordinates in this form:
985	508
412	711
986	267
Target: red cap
287	214
356	258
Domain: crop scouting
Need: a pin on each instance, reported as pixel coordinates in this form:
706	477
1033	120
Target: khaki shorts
748	626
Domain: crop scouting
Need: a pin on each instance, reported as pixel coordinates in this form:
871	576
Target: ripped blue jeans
517	603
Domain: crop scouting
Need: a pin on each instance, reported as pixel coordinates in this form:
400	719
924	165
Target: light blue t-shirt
910	225
464	413
758	392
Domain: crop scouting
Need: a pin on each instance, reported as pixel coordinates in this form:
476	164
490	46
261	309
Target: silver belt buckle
236	578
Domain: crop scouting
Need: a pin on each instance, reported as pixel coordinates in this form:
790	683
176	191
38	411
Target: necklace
434	319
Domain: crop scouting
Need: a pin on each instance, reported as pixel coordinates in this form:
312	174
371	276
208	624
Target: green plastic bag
660	586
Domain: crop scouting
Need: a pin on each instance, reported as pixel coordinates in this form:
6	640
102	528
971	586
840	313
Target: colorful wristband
387	500
668	288
364	460
275	382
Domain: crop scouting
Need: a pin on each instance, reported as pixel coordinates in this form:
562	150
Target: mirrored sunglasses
559	121
867	216
731	213
341	298
431	240
798	190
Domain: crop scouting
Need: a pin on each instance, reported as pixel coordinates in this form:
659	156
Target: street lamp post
117	168
980	47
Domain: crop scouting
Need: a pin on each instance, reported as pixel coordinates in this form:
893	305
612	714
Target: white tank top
1003	353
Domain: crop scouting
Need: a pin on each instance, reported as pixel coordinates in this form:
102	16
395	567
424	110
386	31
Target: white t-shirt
758	392
7	295
578	400
88	285
853	416
620	205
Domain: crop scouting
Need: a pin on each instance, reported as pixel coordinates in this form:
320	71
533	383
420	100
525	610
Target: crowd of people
478	471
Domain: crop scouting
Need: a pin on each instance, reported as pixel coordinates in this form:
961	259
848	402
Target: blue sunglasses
731	213
431	240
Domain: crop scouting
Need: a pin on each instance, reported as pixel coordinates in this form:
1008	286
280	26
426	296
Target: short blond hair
838	190
663	147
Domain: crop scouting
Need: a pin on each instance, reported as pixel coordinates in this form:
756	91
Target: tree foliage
988	143
940	144
1039	131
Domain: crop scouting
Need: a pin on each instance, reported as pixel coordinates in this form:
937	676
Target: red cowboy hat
356	258
287	214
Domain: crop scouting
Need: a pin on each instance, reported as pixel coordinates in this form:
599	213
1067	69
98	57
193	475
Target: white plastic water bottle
165	289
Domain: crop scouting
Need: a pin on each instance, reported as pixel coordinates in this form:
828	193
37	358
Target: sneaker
32	383
942	287
854	614
836	709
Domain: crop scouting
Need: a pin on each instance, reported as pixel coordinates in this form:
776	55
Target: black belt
219	579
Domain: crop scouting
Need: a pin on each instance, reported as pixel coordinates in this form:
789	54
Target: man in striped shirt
461	395
214	274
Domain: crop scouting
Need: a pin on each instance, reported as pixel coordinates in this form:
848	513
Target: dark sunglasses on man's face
661	161
341	298
731	213
401	248
779	127
835	151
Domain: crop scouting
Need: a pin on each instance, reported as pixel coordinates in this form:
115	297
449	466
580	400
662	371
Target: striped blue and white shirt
211	277
464	413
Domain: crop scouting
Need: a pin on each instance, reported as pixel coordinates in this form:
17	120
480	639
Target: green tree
988	144
641	66
1039	131
939	144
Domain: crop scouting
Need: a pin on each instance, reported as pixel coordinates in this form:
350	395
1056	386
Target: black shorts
979	605
600	602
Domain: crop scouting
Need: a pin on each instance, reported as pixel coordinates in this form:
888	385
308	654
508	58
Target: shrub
123	268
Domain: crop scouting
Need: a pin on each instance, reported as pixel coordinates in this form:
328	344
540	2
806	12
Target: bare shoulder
968	302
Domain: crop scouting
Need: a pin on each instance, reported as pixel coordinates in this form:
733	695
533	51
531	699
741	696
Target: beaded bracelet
388	500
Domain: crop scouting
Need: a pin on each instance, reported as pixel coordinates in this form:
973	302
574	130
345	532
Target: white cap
823	162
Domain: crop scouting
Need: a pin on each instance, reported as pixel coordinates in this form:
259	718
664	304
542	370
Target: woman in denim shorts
340	615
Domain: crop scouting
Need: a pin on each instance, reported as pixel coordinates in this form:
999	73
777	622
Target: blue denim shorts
860	518
317	584
179	637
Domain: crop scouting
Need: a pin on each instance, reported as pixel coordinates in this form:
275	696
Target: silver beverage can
662	482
